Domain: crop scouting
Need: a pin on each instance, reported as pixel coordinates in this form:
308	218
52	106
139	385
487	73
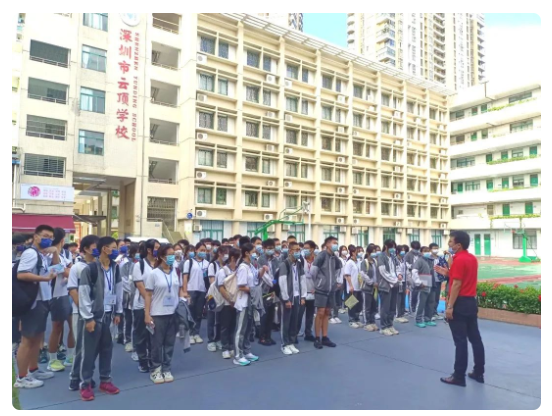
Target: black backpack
24	293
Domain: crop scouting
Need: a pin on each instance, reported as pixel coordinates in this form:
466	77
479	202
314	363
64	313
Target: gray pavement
365	371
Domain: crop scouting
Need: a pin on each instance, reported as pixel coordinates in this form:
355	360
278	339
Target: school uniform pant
308	311
354	312
78	328
413	300
401	299
197	302
289	322
387	308
213	326
227	327
437	294
370	308
244	325
162	341
267	321
141	338
125	326
97	344
424	312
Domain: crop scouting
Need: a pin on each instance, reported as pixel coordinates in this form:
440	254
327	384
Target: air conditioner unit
341	129
285	227
341	98
398	224
270	148
201	59
397	196
288	84
370	97
356	192
293	218
443	225
340	220
288	150
341	190
288	118
397	114
355	133
202	98
268	217
409	170
271	229
270	183
341	159
271	79
271	114
355	230
446	232
372	108
398	142
288	184
197	228
201	136
397	168
356	221
443	200
355	162
399	230
200	213
201	175
410	231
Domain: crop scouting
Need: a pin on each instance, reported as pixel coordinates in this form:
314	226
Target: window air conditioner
341	130
397	114
202	98
288	84
356	221
271	79
355	230
201	59
201	175
200	213
443	200
288	118
270	148
340	220
340	190
288	184
398	224
356	192
271	114
268	217
397	196
197	228
397	168
289	150
341	159
355	133
270	183
410	231
201	136
341	98
443	226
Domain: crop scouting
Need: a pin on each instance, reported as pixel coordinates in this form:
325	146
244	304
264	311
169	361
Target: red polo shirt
464	267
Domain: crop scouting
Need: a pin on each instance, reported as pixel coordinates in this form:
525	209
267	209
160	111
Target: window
504	155
304	139
95	20
251	199
326	204
94	58
506	210
221	196
534	180
533	151
206	82
339	175
433	163
251	164
357	178
505	183
385	99
291	169
222	123
224	50
304	171
291	104
207	45
433	187
528	207
472	186
358	148
305	75
357	120
465	162
204	196
326	143
223	86
474	111
338	115
327	113
252	94
357	91
436	237
338	144
385	181
92	100
483	108
490	210
267	63
49	166
531	240
410	106
459	115
411	184
266	166
410	159
91	142
291	201
485	134
411	210
252	129
385	153
291	136
49	54
338	85
222	160
253	59
326	174
433	138
385	127
267	132
206	120
265	200
205	157
385	208
432	114
474	136
521	126
519	97
292	71
490	184
327	82
459	140
517	153
267	98
357	207
304	107
46	128
409	132
518	181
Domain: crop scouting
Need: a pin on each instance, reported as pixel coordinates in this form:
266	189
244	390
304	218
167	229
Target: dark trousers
387	308
141	338
77	359
413	300
401	299
424	312
197	302
162	341
16	333
464	327
370	308
437	294
227	327
308	311
289	323
338	302
213	326
267	321
125	326
244	326
354	312
98	343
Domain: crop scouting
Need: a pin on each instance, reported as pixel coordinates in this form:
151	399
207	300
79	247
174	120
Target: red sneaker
109	388
87	394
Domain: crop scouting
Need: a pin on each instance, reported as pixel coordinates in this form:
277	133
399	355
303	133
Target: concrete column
108	215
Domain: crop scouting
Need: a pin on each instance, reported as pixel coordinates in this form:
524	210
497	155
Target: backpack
214	293
231	286
24	293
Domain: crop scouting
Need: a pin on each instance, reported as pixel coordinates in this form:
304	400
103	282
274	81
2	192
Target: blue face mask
191	254
392	251
373	255
297	255
415	251
154	253
335	247
45	243
285	251
270	252
403	253
306	253
427	255
259	249
316	252
95	252
451	250
137	257
114	254
278	248
20	248
124	250
215	249
170	260
254	256
202	255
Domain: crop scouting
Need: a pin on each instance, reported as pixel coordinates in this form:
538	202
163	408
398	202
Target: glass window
253	59
292	71
266	166
326	174
221	196
506	210
410	106
518	182
519	97
358	178
305	75
357	91
385	99
432	114
46	128
472	186
206	120
504	155
385	153
252	129
484	134
291	104
326	82
433	187
327	143
338	85
534	180
505	183
358	148
385	181
521	126
94	58
385	127
91	142
433	163
531	237
95	20
474	136
338	145
222	123
304	171
267	63
207	45
490	184
304	138
223	86
265	200
326	204
465	162
517	153
251	164
490	210
304	107
267	98
533	151
291	136
411	210
357	207
205	157
327	113
252	94
357	120
267	132
206	82
528	207
251	199
222	160
291	201
48	166
92	100
204	196
474	111
224	50
483	108
385	208
291	169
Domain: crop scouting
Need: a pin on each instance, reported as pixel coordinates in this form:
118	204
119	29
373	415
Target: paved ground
365	371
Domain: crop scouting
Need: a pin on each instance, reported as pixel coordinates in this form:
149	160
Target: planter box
510	317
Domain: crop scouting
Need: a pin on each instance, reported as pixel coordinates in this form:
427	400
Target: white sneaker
333	321
27	383
337	320
134	356
394	331
353	325
157	377
168	377
251	357
212	347
42	375
192	340
226	355
377	316
438	317
129	347
219	345
386	332
241	361
404	320
286	350
198	339
293	349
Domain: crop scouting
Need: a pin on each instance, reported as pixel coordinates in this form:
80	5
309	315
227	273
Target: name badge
168	301
110	300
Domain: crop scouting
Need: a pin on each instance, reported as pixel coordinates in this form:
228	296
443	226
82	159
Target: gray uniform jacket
285	280
368	273
409	260
91	291
273	266
423	266
387	271
325	271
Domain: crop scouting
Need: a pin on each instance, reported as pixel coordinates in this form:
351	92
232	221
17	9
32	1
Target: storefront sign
47	193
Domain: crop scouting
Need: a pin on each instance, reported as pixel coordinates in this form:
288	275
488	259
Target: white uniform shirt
27	263
165	290
137	276
74	278
60	288
199	270
109	285
245	277
222	274
351	269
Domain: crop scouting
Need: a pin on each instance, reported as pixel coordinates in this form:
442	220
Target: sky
510	52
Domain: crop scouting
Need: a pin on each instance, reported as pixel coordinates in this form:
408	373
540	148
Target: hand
66	272
273	295
448	314
266	269
441	270
232	304
288	305
408	291
400	277
312	291
51	276
90	326
339	285
185	295
51	250
147	319
117	319
302	302
351	291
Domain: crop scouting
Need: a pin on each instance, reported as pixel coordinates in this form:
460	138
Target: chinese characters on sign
128	62
47	193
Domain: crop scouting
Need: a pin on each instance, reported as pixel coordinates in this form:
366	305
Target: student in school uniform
213	318
423	277
100	304
388	278
126	267
351	274
340	291
227	313
194	275
409	259
369	283
402	286
162	295
308	310
269	259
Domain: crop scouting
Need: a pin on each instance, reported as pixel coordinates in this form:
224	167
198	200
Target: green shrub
496	296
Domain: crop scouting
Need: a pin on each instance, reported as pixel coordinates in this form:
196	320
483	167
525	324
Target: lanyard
109	278
295	271
169	284
309	265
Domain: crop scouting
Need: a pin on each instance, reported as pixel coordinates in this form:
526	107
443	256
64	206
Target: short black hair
462	238
43	227
433	245
216	243
225	240
415	245
276	239
208	240
311	243
133	249
87	241
328	239
301	245
105	241
236	237
254	240
424	248
269	242
73	244
293	244
291	237
184	242
128	240
66	246
59	235
244	240
150	244
390	243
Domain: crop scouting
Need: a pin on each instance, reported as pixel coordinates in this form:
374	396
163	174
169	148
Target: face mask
316	252
440	253
137	257
202	255
270	252
403	253
226	257
191	254
178	253
415	251
170	260
451	250
154	253
278	248
254	256
306	253
435	251
297	255
360	255
20	248
124	250
96	252
427	255
215	250
45	243
344	252
285	250
373	255
392	251
114	254
259	249
335	247
208	247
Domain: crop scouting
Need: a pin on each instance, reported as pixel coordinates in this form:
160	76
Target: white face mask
208	247
435	251
344	252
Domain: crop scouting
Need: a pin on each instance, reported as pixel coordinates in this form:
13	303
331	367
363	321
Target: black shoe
143	369
317	344
310	338
327	342
265	342
74	385
272	342
121	340
454	381
477	377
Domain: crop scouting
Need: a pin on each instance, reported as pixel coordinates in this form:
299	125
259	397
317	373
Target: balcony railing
164	25
512	159
49	62
50	99
152	140
167	181
172	68
153	101
468	114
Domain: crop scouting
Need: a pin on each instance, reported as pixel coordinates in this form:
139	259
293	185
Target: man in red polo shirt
461	310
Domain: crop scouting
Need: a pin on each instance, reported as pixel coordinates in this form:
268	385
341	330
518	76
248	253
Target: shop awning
89	219
26	223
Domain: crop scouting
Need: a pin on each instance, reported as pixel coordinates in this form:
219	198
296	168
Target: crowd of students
147	295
